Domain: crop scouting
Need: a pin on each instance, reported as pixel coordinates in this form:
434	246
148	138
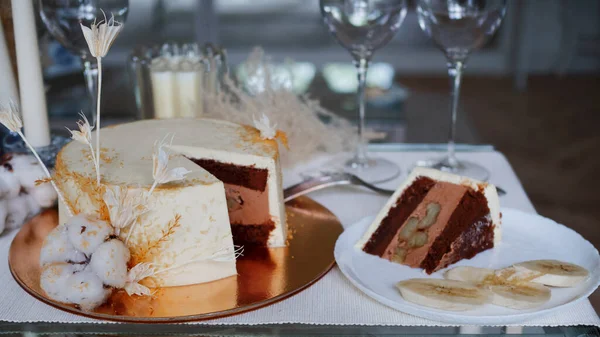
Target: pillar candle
8	86
188	90
163	88
31	84
163	92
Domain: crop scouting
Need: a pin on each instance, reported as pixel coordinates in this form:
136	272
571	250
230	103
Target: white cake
188	219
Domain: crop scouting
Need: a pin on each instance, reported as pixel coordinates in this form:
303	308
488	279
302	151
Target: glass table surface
46	329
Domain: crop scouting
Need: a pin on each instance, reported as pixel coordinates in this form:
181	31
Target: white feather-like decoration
101	35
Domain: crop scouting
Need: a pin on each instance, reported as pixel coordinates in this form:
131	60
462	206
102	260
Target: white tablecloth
332	300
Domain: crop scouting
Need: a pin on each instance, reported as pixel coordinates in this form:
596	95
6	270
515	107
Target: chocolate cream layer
247	200
414	239
397	215
469	232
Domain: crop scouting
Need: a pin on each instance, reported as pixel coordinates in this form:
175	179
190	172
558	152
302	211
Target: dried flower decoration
144	269
224	255
9	117
139	272
267	131
84	136
100	37
160	162
310	128
124	208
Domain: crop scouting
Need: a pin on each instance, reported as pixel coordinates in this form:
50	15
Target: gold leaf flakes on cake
86	184
291	231
283	138
253	136
60	172
147	253
87	154
106	158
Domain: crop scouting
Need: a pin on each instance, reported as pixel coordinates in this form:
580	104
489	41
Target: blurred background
532	92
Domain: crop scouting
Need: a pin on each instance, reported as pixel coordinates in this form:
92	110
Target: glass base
12	143
462	168
373	170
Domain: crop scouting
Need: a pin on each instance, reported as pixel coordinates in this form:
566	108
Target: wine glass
62	18
458	27
363	26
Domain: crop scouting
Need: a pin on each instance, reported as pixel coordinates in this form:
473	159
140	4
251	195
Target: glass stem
90	72
455	69
360	156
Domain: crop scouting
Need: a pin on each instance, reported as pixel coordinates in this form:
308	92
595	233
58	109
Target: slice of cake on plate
234	186
435	219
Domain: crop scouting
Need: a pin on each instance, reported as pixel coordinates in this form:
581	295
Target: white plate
525	237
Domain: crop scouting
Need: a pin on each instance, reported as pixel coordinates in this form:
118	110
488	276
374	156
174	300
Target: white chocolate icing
198	201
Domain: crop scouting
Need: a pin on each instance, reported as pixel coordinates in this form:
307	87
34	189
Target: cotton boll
18	210
54	280
27	169
109	262
86	233
3	214
44	194
58	248
9	183
34	206
86	290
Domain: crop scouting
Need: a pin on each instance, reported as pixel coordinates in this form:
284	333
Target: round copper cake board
265	275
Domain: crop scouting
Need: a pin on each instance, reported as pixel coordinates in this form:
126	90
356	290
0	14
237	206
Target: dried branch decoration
160	162
100	37
153	246
124	208
139	272
301	118
144	269
9	117
84	136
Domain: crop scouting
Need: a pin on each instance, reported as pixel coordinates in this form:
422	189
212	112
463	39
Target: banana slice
552	272
469	274
520	296
443	294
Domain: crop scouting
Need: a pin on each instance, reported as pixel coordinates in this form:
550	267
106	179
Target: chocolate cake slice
247	199
435	219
